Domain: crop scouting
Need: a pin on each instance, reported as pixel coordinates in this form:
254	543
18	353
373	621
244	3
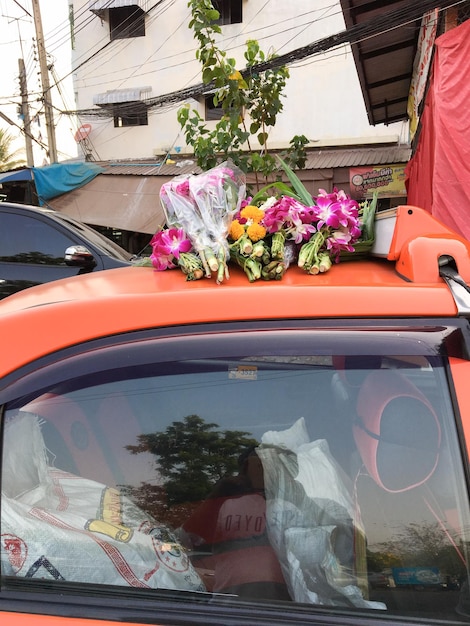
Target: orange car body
138	297
407	284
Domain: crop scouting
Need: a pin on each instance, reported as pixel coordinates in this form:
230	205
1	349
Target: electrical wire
357	33
61	32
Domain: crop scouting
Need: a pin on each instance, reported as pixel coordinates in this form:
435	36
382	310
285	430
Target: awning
15	175
100	5
128	202
115	96
58	178
384	61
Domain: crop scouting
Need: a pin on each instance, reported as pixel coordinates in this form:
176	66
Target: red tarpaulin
438	175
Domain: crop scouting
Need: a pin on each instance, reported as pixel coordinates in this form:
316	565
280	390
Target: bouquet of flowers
198	211
209	222
260	252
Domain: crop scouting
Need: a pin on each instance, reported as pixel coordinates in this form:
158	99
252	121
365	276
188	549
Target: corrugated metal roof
354	157
147	168
128	202
316	159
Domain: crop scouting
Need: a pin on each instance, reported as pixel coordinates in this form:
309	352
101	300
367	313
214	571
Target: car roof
27	207
405	284
55	315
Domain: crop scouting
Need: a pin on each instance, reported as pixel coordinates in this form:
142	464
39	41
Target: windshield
268	466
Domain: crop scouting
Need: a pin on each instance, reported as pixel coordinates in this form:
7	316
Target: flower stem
191	265
259	250
211	259
205	265
251	267
277	245
308	255
222	271
274	270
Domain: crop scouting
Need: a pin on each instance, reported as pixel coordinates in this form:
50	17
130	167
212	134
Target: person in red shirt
229	538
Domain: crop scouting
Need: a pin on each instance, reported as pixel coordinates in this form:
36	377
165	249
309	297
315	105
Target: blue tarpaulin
59	178
15	175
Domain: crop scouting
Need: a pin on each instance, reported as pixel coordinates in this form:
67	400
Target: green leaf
280	186
297	184
368	218
207	75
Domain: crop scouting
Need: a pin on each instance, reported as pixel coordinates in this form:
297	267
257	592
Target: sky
17	40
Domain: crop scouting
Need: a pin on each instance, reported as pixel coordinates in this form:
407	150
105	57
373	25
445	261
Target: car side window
269	471
26	239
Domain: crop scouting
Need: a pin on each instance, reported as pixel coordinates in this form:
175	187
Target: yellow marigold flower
236	230
256	232
253	213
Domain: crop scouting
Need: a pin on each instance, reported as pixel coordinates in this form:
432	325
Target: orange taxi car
182	452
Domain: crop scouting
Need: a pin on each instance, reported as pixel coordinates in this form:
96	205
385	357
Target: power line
163	59
359	32
83	23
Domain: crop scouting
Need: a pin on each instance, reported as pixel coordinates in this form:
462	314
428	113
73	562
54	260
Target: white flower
271	201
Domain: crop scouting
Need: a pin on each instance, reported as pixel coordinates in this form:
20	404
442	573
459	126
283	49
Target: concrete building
135	65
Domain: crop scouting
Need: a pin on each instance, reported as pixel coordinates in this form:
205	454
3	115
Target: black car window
107	246
27	239
261	467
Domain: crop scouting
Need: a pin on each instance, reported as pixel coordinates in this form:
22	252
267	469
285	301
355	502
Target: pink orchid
337	209
182	188
245	202
162	262
328	212
338	241
227	172
167	245
289	215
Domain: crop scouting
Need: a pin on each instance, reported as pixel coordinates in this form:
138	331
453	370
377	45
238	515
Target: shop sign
388	180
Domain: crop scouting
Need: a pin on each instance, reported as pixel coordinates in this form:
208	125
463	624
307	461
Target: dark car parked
38	245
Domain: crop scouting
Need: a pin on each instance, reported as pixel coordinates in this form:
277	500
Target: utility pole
23	130
48	110
25	114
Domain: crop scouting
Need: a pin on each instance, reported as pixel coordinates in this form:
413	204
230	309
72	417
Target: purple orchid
182	188
338	241
289	215
337	210
167	245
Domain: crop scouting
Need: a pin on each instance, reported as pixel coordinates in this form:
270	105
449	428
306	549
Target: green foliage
419	545
250	102
8	159
296	157
297	189
192	455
